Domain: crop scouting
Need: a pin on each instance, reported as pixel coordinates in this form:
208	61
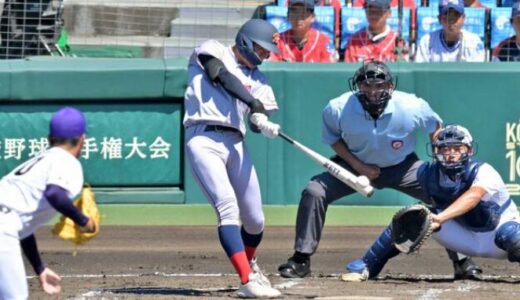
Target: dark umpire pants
323	189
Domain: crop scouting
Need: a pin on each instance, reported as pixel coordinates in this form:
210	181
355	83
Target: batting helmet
449	137
373	73
256	31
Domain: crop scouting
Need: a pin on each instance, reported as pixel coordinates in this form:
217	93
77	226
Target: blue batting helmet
256	31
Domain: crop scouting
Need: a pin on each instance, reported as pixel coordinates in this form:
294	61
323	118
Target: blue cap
457	5
383	4
67	122
309	4
515	12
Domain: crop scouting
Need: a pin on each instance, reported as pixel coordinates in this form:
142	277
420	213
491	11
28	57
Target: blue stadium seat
489	3
284	2
277	15
476	21
427	21
433	3
354	19
508	3
500	25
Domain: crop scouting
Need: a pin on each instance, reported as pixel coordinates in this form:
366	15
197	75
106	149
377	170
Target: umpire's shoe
296	267
467	269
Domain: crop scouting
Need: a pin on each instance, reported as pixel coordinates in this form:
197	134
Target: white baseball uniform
457	237
24	209
433	48
219	159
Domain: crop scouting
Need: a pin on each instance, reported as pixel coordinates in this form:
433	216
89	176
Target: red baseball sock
241	264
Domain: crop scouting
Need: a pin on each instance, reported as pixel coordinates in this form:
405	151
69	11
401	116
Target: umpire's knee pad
507	238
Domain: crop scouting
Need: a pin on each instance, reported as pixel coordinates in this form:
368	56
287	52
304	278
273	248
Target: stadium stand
500	25
277	15
354	19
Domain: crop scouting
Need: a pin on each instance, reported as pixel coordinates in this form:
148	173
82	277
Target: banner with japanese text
128	143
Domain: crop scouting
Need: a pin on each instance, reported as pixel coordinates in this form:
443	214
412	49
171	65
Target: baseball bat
360	184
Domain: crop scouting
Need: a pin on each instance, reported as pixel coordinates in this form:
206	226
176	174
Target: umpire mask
373	84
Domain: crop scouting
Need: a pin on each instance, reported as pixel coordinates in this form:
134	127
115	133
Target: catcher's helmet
373	73
447	138
256	31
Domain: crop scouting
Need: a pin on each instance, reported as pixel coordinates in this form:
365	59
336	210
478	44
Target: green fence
134	109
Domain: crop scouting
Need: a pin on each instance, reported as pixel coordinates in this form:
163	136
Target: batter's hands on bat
268	128
257	107
50	282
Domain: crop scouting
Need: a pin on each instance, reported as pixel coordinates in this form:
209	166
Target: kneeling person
472	204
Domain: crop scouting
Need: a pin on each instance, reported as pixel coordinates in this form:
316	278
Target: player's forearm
58	199
217	71
342	150
30	249
462	205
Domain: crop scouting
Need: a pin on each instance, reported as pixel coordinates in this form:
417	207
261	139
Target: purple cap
67	122
515	12
383	4
457	5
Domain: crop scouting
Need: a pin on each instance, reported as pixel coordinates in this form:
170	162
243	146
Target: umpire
375	137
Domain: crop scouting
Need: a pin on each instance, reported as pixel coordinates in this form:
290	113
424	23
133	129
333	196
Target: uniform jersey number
26	167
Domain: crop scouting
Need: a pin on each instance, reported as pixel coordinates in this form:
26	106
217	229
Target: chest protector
483	217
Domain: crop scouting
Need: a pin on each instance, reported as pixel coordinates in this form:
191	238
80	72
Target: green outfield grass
135	214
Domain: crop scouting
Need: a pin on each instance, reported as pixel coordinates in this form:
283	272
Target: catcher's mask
259	32
452	148
373	84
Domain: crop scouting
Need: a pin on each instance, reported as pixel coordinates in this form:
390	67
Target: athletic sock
251	242
231	241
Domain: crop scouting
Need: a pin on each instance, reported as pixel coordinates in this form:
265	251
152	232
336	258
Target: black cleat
293	269
466	269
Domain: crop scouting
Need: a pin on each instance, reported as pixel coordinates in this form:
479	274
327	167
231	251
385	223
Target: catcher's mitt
68	230
411	226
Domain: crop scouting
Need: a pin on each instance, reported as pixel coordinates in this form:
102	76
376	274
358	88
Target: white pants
222	167
456	237
13	281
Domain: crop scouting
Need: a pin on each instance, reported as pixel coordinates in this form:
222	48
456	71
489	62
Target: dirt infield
166	262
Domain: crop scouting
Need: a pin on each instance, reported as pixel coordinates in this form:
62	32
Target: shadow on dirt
436	279
166	291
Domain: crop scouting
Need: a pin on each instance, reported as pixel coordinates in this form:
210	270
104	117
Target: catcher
473	211
30	196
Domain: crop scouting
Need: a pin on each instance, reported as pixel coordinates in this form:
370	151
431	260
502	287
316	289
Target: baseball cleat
293	269
254	266
357	271
255	288
355	277
466	269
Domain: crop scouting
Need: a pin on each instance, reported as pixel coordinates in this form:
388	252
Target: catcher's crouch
31	194
473	212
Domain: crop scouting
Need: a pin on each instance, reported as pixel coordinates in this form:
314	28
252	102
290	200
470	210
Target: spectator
376	41
302	43
451	43
394	3
509	49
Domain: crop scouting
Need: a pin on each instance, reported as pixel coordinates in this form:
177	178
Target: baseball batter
451	43
225	84
475	212
30	196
